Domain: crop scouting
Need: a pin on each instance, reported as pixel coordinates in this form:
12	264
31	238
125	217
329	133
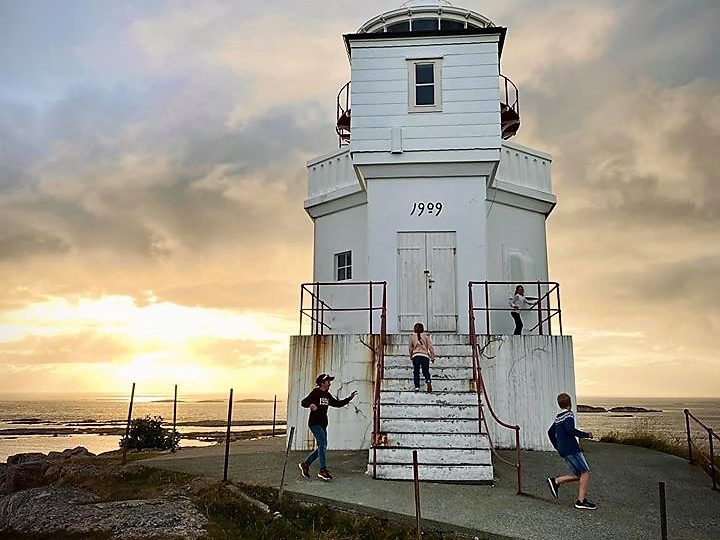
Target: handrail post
370	311
517	460
487	308
302	297
687	430
712	459
539	304
557	289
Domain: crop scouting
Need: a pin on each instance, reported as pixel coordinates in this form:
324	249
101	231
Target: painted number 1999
431	208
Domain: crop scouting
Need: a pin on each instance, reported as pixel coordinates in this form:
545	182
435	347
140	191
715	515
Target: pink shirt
421	347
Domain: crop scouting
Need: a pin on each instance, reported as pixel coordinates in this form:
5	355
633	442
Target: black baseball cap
322	378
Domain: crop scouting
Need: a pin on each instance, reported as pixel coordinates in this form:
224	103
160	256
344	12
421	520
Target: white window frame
437	83
346	268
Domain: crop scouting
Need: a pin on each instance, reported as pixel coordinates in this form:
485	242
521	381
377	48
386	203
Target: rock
78	451
27	474
590	409
17	459
55	510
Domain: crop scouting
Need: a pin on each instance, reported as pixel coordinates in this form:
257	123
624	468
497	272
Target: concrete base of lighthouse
523	375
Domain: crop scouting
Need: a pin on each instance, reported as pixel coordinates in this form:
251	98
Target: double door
427	281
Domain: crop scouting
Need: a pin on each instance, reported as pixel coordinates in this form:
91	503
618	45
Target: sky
152	178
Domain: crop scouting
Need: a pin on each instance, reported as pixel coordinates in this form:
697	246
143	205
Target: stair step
389	397
401	349
434	411
437	339
435	372
431	456
438	440
439	385
428	425
435	473
441	361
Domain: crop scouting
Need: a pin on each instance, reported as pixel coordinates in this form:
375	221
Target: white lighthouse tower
428	213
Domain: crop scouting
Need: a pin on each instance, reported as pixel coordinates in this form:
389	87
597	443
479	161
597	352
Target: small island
590	409
623	409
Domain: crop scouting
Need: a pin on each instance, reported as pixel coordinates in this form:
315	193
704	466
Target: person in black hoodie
318	402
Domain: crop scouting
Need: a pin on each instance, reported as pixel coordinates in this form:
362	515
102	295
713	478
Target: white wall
470	116
352	363
523	376
511	229
345	230
390	202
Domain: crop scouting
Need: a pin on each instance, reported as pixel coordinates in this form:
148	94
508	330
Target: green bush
148	433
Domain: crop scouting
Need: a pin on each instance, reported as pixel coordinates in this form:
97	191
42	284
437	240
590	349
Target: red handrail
318	306
711	435
544	304
482	391
377	439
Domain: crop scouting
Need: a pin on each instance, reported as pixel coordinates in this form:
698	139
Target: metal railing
319	307
711	435
482	392
509	107
342	127
544	306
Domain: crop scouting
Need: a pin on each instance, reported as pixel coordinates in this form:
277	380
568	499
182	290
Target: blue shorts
577	463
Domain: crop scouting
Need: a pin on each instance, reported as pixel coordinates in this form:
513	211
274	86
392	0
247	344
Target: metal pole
371	310
287	451
274	414
127	426
227	437
712	459
416	481
539	304
172	442
517	460
663	512
687	430
302	297
487	308
557	288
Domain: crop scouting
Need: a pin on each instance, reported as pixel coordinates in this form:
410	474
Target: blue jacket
563	434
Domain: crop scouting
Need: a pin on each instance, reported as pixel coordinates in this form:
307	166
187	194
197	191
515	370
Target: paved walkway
624	485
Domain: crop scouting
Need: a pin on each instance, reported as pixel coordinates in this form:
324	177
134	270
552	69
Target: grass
645	436
233	518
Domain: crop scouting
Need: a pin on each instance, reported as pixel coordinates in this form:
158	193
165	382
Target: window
343	265
425	89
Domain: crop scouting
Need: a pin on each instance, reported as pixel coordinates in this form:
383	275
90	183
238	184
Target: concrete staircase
442	426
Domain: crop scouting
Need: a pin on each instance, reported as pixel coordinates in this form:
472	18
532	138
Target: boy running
563	437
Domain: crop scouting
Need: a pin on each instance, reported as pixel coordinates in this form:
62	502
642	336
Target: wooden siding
470	116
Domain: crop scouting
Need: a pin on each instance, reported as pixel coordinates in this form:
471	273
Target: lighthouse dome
425	16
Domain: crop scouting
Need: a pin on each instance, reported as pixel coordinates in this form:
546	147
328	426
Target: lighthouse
427	211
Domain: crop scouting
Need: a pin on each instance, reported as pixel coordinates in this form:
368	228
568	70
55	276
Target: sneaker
324	474
304	469
417	389
585	505
429	386
553	487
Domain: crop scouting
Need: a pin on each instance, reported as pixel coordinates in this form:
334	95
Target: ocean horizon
43	421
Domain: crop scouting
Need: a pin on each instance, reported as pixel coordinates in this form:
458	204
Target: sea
54	422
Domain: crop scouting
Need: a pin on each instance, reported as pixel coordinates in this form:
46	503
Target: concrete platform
624	485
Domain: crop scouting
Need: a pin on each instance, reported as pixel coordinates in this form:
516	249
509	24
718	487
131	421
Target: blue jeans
577	463
420	362
320	434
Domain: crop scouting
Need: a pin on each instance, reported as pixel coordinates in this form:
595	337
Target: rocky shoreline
623	409
76	493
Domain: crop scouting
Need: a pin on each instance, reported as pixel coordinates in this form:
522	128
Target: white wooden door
426	281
